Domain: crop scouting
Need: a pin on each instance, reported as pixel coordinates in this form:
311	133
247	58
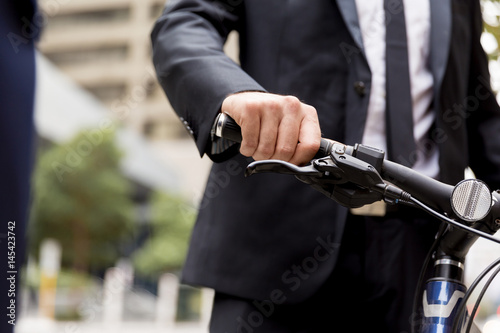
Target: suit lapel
356	108
350	15
440	37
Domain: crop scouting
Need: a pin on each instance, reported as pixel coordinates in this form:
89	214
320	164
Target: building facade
104	45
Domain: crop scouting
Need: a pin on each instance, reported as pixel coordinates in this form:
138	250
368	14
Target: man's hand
275	126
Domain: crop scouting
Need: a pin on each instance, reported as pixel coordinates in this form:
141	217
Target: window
105	54
83	19
108	93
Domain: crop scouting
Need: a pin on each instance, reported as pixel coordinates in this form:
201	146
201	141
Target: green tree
82	200
492	23
171	223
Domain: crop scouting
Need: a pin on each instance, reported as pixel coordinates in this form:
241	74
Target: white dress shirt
372	23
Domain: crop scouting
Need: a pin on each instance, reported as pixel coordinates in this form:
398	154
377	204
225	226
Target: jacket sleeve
483	123
191	65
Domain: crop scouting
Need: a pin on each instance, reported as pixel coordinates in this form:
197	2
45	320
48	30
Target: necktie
399	125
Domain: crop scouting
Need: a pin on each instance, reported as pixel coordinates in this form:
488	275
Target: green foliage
65	279
492	23
171	223
82	200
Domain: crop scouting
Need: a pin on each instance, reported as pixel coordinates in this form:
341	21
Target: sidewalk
37	325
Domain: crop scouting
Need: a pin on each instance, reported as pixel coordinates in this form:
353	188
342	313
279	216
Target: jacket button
359	87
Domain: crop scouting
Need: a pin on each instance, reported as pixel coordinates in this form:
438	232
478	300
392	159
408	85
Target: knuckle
250	145
273	105
311	110
252	107
291	100
286	151
311	114
266	151
292	104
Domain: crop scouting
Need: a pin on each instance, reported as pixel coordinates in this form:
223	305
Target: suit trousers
371	288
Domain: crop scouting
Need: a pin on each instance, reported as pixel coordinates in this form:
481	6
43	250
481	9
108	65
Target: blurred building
104	45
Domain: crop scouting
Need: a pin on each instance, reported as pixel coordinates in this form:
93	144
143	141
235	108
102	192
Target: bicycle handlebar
337	164
404	177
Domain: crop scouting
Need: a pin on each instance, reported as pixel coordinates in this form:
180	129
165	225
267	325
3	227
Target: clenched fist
275	126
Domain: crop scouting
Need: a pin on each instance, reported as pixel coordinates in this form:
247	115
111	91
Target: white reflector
471	200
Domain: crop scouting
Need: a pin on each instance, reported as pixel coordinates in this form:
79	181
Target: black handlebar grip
227	128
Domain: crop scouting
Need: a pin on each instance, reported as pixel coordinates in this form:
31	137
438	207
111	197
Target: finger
288	134
267	138
309	140
288	137
250	133
245	115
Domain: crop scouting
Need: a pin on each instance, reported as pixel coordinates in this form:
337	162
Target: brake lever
278	166
337	168
321	169
360	183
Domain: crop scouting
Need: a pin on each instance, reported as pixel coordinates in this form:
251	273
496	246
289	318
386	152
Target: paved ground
34	325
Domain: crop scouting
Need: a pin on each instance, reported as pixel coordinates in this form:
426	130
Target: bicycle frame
440	305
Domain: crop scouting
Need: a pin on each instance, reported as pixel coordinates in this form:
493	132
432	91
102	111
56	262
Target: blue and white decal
440	302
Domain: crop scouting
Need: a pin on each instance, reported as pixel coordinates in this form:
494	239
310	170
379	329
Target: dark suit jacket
269	236
17	83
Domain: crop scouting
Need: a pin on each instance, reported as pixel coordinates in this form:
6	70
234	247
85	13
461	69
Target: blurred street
37	325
